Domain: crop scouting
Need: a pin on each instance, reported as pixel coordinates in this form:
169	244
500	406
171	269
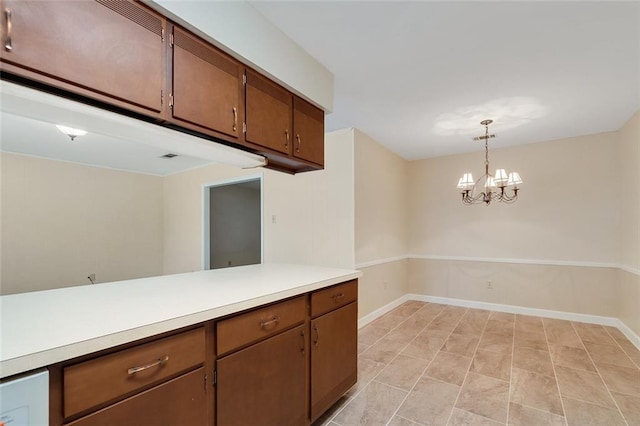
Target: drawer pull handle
315	328
7	43
264	324
286	143
337	297
299	142
159	361
304	342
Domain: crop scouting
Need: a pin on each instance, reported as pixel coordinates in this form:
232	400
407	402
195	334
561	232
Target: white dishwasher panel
25	401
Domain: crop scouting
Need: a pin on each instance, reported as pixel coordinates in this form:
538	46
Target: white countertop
45	327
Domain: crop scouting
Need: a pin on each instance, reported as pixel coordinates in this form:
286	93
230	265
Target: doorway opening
232	223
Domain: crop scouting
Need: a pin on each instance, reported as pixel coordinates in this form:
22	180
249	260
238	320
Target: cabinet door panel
264	384
112	48
207	86
334	352
268	114
308	125
180	401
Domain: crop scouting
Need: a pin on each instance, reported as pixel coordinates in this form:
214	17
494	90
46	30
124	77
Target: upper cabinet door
100	49
207	87
308	127
268	114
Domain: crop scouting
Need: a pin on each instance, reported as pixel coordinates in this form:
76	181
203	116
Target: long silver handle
315	328
159	361
235	119
286	139
299	142
274	320
7	42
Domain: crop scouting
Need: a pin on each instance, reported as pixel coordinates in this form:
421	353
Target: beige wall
567	210
61	222
629	181
314	211
380	223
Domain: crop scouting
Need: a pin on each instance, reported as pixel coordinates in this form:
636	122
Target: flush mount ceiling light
494	187
70	131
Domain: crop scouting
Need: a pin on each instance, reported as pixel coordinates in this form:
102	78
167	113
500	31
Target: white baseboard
381	311
546	313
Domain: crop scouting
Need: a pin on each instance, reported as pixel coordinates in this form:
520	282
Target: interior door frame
206	199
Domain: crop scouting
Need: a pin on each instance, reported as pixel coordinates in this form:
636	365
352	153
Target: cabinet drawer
100	380
180	401
323	301
245	328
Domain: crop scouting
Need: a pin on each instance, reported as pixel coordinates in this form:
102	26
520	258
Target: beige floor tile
370	334
362	347
485	396
426	344
529	323
385	349
630	407
461	344
406	309
502	316
629	348
388	321
432	308
620	379
373	406
561	332
520	415
430	402
441	326
492	364
470	327
567	356
527	339
533	360
535	390
581	413
583	385
615	332
413	323
367	370
450	368
464	418
325	418
593	333
496	343
504	328
608	354
401	421
477	315
403	372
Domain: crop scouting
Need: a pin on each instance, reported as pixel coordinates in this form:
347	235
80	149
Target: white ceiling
419	76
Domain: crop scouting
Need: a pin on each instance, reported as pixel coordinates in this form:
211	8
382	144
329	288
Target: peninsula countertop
44	327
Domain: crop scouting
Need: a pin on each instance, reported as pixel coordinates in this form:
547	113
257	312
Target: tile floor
431	364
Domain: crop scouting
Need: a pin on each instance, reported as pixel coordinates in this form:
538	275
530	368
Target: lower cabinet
180	401
334	353
265	384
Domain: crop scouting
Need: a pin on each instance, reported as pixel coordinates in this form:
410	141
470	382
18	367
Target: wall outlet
489	285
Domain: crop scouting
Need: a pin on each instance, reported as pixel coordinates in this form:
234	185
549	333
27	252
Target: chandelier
493	187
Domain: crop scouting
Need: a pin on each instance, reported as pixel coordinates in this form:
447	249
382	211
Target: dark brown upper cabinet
206	87
104	50
308	130
268	114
